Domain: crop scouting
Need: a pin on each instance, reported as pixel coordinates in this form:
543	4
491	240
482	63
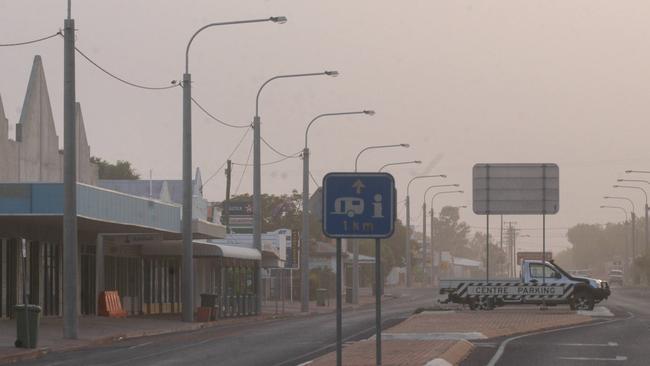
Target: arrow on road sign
358	185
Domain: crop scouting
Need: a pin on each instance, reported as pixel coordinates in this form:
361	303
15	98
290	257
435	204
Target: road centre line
608	344
140	345
618	358
503	345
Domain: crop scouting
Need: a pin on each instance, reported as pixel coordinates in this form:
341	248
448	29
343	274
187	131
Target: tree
122	169
450	234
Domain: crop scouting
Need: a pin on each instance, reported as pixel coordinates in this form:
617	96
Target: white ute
540	283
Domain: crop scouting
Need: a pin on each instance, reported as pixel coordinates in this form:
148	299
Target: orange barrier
110	305
203	314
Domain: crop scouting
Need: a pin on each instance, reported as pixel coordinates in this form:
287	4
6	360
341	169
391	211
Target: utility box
27	323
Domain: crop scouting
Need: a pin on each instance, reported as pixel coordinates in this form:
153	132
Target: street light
632	219
399	163
647	225
355	244
188	252
356	161
433	253
257	173
626	264
424	223
407	243
304	259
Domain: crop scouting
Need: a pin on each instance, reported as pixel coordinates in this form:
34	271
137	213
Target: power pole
226	204
70	252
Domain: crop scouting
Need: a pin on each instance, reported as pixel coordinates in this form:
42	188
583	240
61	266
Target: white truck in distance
540	283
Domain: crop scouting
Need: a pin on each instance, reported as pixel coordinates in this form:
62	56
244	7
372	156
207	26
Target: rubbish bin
211	301
27	322
348	295
321	295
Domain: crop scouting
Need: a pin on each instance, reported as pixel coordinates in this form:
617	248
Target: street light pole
187	287
355	243
424	226
633	219
304	259
647	224
433	255
257	180
407	241
70	251
627	257
645	195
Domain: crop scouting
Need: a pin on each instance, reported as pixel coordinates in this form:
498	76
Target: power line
174	84
276	150
314	179
267	163
241	178
217	119
32	41
228	158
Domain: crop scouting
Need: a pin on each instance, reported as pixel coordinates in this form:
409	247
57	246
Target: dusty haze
461	81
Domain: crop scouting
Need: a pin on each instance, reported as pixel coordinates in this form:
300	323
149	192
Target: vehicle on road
615	277
539	283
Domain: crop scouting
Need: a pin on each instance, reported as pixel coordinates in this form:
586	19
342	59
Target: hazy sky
563	82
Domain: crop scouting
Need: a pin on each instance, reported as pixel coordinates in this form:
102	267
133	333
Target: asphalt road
269	343
622	340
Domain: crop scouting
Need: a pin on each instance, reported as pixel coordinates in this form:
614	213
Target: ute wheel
582	301
473	305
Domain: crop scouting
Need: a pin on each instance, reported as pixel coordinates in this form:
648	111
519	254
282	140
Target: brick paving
402	353
495	323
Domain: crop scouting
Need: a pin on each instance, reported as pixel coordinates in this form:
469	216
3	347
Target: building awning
206	249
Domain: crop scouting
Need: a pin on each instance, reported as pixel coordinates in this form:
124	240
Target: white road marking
140	345
438	362
618	358
502	347
599	311
608	344
433	336
486	345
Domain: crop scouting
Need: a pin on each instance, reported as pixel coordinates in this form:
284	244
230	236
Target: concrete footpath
443	337
95	330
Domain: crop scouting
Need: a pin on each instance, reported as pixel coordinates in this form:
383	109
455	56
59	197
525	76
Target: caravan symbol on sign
358	205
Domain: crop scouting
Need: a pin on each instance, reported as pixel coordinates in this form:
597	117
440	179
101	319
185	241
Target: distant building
34	155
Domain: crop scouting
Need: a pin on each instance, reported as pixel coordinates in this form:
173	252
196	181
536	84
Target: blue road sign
358	205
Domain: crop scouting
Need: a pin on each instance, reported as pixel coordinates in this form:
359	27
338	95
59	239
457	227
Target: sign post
358	205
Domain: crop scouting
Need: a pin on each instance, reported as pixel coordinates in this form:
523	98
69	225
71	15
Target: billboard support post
516	189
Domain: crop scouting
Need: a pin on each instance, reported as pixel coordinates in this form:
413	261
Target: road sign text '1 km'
358	205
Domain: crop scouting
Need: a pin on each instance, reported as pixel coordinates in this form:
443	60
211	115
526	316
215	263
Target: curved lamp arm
356	160
368	112
257	98
280	20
